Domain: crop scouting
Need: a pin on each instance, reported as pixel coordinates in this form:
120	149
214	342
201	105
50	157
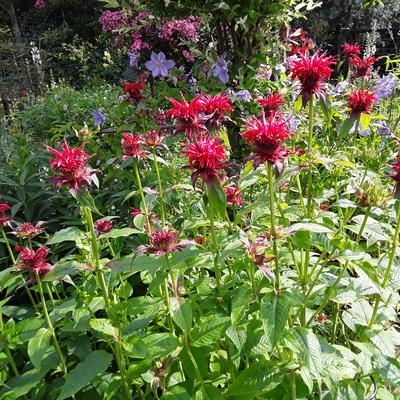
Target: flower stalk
141	193
160	188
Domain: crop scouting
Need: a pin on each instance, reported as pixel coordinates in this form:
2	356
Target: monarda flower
271	104
206	156
28	230
132	147
133	90
34	262
264	137
396	176
360	101
72	168
351	50
214	109
311	72
5	219
233	196
362	66
162	243
153	138
103	226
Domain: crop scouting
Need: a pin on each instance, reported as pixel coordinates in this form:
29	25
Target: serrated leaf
68	234
209	331
38	345
389	368
104	326
309	227
181	312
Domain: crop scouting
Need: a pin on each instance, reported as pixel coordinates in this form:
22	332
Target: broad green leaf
217	198
38	345
208	332
116	233
104	326
365	120
346	126
157	345
309	227
389	369
298	104
138	264
208	392
176	393
181	311
68	234
95	363
274	311
63	269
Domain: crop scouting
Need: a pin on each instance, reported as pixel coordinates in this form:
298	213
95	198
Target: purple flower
221	70
385	86
243	95
293	123
383	129
359	130
99	118
133	59
159	65
341	86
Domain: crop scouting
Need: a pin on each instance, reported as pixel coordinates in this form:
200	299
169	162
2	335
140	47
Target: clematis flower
214	110
103	226
133	59
72	168
134	90
243	95
341	86
28	230
264	137
386	85
271	104
221	70
158	64
5	219
206	156
34	262
362	66
311	72
132	147
162	243
99	118
351	50
233	196
360	101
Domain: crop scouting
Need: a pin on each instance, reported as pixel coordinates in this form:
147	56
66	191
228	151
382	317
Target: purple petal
154	56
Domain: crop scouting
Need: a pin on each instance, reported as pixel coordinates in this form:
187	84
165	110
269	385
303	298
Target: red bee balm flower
396	176
154	138
134	90
103	226
71	164
233	196
265	138
163	242
5	219
362	66
351	50
271	104
360	101
28	230
206	156
34	262
311	72
132	147
214	108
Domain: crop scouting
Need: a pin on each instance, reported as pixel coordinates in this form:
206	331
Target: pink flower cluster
112	20
186	29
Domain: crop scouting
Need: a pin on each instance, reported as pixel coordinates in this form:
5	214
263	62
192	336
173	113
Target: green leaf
274	311
217	198
298	104
309	227
104	326
62	269
208	332
346	126
157	345
38	345
95	363
389	368
116	233
68	234
365	120
138	264
208	392
181	311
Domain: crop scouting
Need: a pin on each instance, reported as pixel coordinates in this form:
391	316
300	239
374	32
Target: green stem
160	188
214	247
168	306
139	183
50	294
309	149
293	385
300	190
7	350
364	223
7	245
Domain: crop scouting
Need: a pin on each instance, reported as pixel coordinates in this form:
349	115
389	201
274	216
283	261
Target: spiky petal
5	219
362	66
271	104
360	101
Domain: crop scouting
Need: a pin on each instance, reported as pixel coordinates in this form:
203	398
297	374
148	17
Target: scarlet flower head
206	155
103	226
5	219
28	230
362	66
360	101
153	138
271	104
233	196
396	175
72	168
214	109
351	50
34	262
162	243
132	147
264	136
133	90
311	72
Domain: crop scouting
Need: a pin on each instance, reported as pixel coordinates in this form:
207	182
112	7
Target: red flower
362	66
206	156
271	104
199	239
71	164
351	50
311	72
5	219
134	90
132	147
103	226
360	101
34	262
214	108
136	212
153	138
187	115
233	196
396	175
163	242
28	230
265	139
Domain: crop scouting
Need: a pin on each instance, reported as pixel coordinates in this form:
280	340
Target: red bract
134	90
163	242
71	164
362	66
233	196
311	72
271	104
103	226
265	139
132	147
360	101
5	219
28	230
351	50
214	108
206	156
34	262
